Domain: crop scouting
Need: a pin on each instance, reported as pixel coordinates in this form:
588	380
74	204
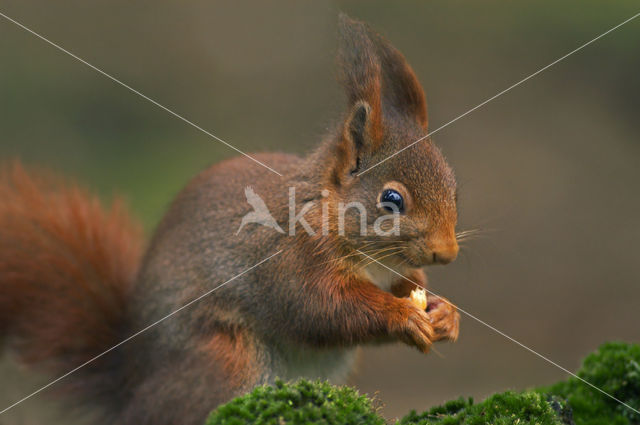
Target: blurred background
550	171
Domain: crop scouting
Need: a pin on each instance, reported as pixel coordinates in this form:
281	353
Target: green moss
302	402
438	414
500	409
614	368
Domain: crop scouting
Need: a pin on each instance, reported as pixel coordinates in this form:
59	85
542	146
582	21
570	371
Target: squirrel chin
384	277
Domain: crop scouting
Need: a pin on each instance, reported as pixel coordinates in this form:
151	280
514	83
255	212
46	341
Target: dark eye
390	196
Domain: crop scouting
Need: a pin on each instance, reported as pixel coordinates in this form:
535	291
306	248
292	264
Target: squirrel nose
444	253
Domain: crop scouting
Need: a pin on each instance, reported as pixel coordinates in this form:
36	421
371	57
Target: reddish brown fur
354	311
66	267
235	352
444	318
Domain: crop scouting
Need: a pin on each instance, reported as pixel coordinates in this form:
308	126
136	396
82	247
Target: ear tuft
401	86
360	71
374	71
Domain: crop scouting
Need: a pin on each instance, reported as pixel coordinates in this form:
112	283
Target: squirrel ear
354	143
360	73
374	71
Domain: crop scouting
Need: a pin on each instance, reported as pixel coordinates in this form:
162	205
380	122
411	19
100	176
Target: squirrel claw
445	319
417	329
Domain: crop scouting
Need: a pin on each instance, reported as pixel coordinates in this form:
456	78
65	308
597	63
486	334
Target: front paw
445	319
414	279
414	327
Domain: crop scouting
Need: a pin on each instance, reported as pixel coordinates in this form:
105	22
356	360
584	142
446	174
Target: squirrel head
387	112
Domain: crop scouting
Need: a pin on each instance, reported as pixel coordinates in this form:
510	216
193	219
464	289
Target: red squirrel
74	280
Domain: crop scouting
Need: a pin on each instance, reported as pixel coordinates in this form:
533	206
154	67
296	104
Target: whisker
368	252
437	352
373	248
331	246
362	260
383	257
471	233
381	250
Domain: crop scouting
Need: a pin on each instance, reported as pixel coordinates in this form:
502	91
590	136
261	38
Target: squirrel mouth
412	261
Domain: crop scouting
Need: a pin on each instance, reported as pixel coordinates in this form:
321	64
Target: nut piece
419	298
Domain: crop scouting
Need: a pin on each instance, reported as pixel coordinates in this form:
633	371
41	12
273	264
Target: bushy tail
66	270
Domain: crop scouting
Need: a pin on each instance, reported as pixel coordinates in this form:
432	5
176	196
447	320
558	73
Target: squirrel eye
390	196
